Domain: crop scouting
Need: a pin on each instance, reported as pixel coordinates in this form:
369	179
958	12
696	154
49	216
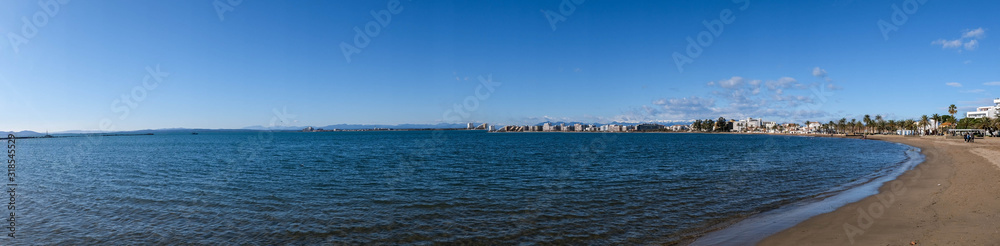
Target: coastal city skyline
93	65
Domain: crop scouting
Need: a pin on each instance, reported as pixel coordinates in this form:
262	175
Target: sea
425	187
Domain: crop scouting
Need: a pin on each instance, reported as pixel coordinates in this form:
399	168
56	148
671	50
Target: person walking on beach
966	136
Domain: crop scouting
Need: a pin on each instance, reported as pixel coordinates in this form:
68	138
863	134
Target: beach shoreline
756	227
950	198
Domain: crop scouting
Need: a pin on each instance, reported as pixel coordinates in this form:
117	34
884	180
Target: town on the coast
982	122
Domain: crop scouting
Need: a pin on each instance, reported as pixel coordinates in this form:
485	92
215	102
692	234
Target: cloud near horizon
781	99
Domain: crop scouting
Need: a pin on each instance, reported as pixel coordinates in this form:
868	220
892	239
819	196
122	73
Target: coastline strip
757	227
950	199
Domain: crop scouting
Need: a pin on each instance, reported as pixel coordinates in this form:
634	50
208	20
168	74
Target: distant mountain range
22	134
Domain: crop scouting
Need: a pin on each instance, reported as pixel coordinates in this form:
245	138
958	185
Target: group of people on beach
969	138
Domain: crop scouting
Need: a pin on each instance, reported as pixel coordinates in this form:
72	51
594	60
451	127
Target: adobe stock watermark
30	27
899	17
130	101
869	213
223	6
123	107
372	29
459	113
422	148
705	38
820	96
566	8
249	148
585	156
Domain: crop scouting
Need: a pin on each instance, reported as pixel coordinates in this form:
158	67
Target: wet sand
953	198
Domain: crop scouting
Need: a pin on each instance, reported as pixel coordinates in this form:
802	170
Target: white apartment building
749	123
770	124
986	111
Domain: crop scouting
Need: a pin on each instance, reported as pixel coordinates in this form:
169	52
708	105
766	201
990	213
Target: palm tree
952	110
987	124
868	122
854	123
880	123
721	124
994	124
842	123
910	124
977	123
891	126
923	123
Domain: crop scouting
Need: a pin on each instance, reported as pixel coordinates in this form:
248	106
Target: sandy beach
953	198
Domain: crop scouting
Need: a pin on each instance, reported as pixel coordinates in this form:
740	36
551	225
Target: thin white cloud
971	45
992	83
735	81
977	33
953	84
781	99
781	83
969	40
687	107
973	91
819	72
738	97
945	44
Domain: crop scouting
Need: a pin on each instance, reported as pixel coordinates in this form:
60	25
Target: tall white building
986	111
749	123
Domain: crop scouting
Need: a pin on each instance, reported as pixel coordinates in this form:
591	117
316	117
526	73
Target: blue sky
603	61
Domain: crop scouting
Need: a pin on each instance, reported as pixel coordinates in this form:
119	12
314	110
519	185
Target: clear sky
231	64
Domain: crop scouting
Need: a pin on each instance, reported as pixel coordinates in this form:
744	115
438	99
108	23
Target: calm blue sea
421	187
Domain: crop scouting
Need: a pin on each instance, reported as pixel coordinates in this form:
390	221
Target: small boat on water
194	133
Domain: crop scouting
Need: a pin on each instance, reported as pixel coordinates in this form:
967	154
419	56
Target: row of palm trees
879	125
989	124
874	126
